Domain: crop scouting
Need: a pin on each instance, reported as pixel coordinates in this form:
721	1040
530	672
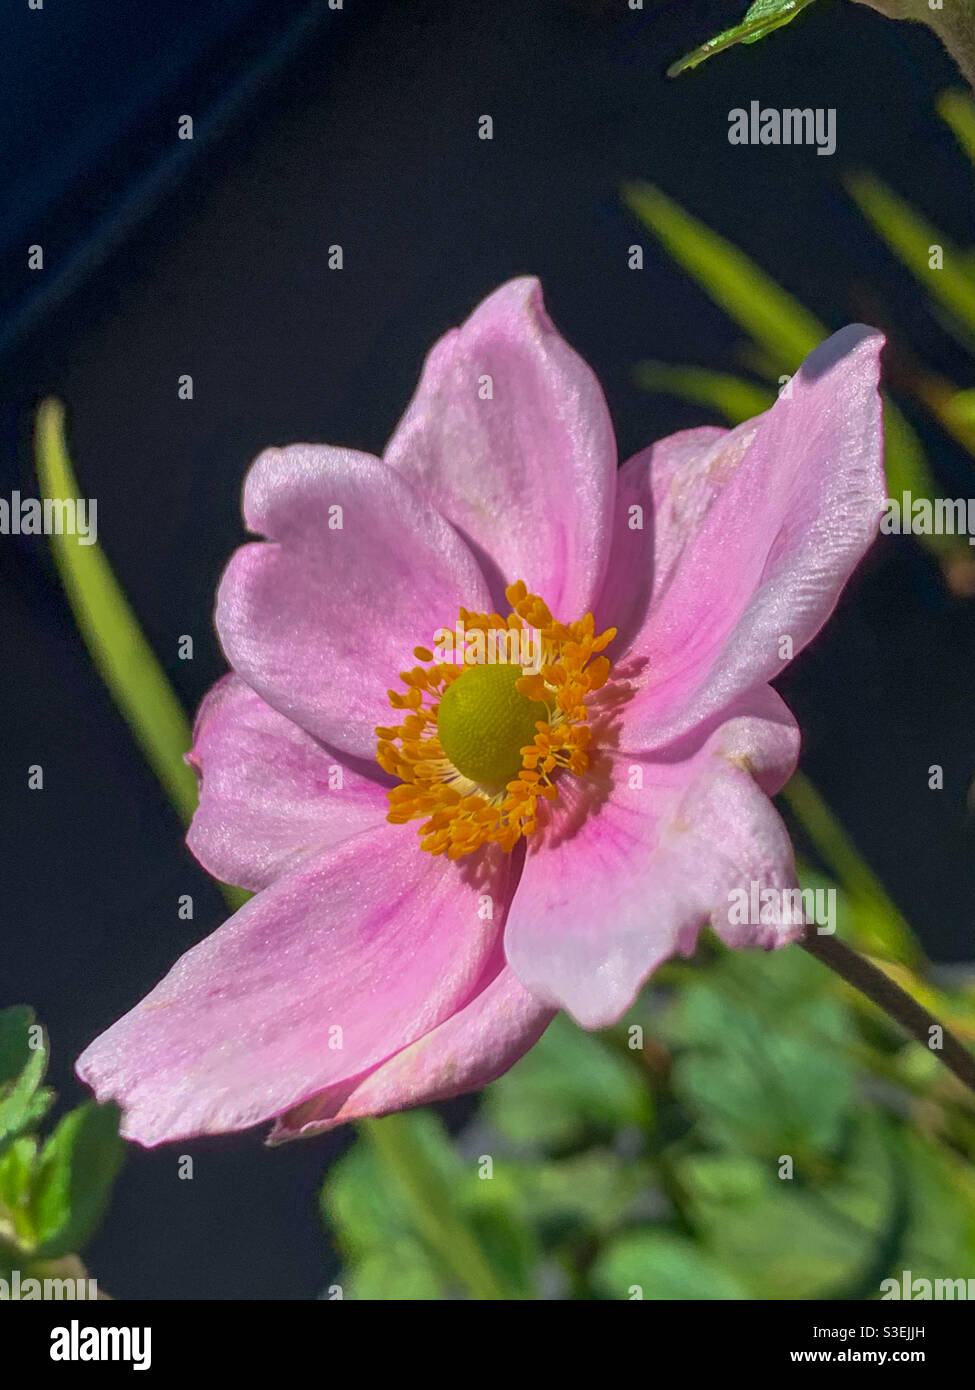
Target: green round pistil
484	723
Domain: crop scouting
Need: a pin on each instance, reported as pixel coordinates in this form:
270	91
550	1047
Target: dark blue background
208	257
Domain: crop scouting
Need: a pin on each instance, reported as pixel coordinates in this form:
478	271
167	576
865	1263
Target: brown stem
894	1001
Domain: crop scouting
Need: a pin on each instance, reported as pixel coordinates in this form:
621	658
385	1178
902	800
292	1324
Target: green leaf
75	1172
762	18
23	1101
783	330
122	656
762	1060
569	1085
120	651
583	1196
662	1266
409	1183
957	109
776	321
888	1204
910	236
732	397
399	1271
16	1174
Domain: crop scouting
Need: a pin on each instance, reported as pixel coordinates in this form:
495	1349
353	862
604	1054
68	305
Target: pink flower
577	826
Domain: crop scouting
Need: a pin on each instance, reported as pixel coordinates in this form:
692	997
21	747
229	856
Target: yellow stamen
480	746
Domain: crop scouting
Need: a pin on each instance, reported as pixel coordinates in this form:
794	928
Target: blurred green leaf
763	1055
76	1170
779	323
911	238
762	18
957	109
121	655
784	332
583	1195
16	1173
23	1100
569	1085
730	396
120	651
884	1206
409	1186
398	1270
654	1264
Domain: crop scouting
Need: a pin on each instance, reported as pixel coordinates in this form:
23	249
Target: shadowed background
165	257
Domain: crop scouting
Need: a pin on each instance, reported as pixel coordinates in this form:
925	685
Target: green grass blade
957	110
783	330
910	237
111	632
732	397
779	323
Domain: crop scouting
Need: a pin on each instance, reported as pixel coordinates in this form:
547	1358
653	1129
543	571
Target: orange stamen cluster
461	815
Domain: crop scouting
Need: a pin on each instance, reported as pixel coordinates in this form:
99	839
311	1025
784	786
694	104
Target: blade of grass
732	397
911	237
957	110
783	330
777	321
121	654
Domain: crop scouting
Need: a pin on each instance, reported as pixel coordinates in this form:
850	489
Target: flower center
484	721
488	729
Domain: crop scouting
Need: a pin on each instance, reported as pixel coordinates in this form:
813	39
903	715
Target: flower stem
894	1001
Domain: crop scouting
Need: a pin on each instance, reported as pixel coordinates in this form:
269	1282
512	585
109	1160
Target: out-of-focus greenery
53	1190
746	1132
781	331
753	1128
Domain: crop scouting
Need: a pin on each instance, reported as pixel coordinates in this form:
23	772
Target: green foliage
53	1192
23	1061
762	18
647	1263
911	237
567	1089
781	332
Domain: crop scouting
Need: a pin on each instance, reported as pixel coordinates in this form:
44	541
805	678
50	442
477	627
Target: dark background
208	257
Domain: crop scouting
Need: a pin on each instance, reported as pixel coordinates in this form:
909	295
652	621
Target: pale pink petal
755	533
527	476
321	976
652	523
321	622
269	792
474	1046
646	854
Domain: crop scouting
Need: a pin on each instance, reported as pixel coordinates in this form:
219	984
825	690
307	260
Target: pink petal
469	1049
654	517
528	477
321	623
629	876
754	535
375	938
269	792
